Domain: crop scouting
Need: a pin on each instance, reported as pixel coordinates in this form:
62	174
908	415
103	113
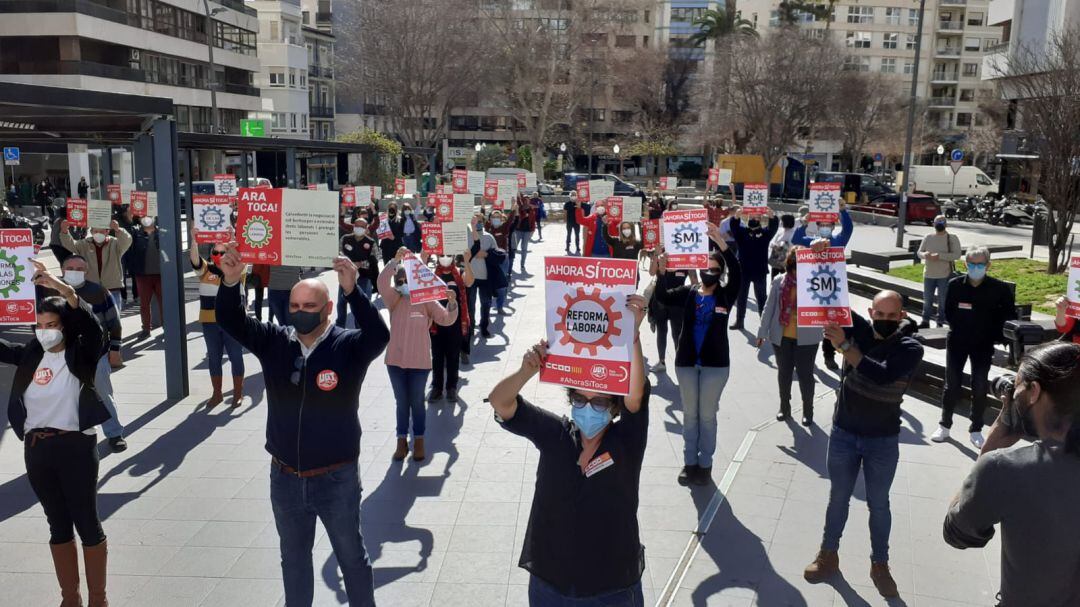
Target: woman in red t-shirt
1067	326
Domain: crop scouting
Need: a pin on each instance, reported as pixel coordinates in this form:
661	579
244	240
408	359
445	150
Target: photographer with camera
1031	491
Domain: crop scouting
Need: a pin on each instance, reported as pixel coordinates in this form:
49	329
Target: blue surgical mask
825	231
589	420
403	289
976	271
496	223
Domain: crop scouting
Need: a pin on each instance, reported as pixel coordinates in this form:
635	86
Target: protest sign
144	204
724	177
460	180
455	235
755	199
463	207
491	190
76	212
590	331
668	184
508	190
600	189
530	181
376	193
312	187
383	231
432	237
824	203
686	239
476	182
322	187
614	206
364	195
822	288
211	221
99	214
404	187
287	227
348	196
583	193
714	178
225	185
424	285
1073	310
114	194
522	181
16	275
443	205
650	233
631	210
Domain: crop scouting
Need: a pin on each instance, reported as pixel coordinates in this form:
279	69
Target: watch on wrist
844	347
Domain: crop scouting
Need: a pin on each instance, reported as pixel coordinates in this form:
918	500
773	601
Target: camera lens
1003	385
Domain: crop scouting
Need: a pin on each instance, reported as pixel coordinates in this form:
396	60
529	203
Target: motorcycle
36	225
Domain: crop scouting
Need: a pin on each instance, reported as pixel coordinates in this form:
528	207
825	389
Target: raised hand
533	360
230	265
346	272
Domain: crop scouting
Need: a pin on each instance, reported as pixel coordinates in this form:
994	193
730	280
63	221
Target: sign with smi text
822	290
589	329
282	227
211	221
824	203
755	199
17	297
686	239
1073	296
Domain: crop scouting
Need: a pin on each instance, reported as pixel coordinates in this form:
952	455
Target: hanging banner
99	214
225	185
631	209
282	227
650	233
348	196
115	196
383	231
583	193
822	288
144	204
404	187
755	199
424	285
589	329
686	240
668	184
1073	295
17	295
600	189
460	180
76	212
476	182
491	190
432	237
211	219
824	203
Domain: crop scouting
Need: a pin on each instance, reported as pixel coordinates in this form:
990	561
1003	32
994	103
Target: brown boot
96	558
402	449
217	396
418	448
66	562
825	565
238	390
883	580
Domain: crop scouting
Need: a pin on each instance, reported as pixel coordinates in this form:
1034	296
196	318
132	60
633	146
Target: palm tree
715	24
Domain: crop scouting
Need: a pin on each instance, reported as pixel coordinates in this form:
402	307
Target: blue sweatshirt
799	238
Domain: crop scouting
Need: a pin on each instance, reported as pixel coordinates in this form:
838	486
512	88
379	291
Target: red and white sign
650	233
17	302
714	178
755	199
614	206
313	187
348	196
822	288
42	377
76	212
522	181
432	237
582	188
424	285
460	180
383	231
444	206
1073	293
668	184
824	203
211	221
144	204
225	185
114	194
326	380
404	187
287	227
589	329
491	190
686	239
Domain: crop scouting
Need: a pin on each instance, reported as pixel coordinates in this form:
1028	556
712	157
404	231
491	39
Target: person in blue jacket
827	236
752	243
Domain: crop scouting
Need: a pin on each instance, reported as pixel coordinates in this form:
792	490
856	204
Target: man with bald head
880	358
313	371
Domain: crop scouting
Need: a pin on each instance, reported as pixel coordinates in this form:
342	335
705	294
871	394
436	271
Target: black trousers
446	357
827	349
63	471
575	230
957	353
793	359
665	315
744	294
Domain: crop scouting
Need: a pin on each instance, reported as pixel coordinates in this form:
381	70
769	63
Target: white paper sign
508	190
755	199
456	235
363	195
600	189
530	181
225	185
424	285
631	209
476	183
724	177
824	203
686	241
98	214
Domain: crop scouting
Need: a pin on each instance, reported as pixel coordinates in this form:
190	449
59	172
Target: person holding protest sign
410	229
939	252
582	544
820	236
488	278
408	355
626	245
656	206
752	242
53	409
593	225
880	359
663	317
446	341
1066	325
389	246
780	245
573	228
525	223
725	229
360	248
503	230
102	250
218	340
538	206
314	371
145	266
701	354
794	346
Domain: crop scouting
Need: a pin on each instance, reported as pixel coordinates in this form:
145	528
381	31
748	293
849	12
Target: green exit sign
253	128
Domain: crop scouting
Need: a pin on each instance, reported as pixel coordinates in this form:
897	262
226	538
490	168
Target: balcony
321	111
321	71
941	102
954	2
950	27
120	72
948	52
322	18
945	77
1000	47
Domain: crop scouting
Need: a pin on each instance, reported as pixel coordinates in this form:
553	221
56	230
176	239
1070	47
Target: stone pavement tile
24	530
151	533
201	561
794	592
453	594
215	488
227	534
475	567
954	585
140	560
257	563
400	566
18	557
404	594
244	593
192	509
174	591
489	513
753	484
499	473
483	538
517	595
400	537
665	544
241	510
490	491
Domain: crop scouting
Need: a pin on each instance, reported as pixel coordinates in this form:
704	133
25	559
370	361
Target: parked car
940	181
858	184
622	188
921	207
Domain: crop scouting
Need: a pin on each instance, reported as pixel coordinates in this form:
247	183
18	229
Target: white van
938	180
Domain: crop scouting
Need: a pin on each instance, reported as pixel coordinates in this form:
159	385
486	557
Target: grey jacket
771	329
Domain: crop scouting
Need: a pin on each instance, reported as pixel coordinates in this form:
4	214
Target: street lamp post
214	123
478	147
902	214
618	153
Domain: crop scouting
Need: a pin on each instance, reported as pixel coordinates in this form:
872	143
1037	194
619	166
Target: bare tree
983	137
1046	83
863	108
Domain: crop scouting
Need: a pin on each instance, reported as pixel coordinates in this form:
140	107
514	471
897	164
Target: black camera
1003	385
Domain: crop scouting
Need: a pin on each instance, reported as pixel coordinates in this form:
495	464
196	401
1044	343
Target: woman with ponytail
1030	491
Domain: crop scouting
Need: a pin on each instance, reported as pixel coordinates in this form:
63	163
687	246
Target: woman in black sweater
625	245
701	356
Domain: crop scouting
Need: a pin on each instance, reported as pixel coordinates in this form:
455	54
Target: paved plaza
187	513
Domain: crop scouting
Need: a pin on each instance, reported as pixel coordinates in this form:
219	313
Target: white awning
1019	156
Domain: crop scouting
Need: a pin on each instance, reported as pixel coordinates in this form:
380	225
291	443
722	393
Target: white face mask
627	233
403	289
49	338
445	260
74	278
359	232
147	221
98	237
601	211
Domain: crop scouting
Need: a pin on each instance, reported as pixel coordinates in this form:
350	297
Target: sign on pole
686	240
76	212
824	203
99	214
650	233
211	219
589	329
955	166
12	157
225	185
424	285
16	275
282	227
755	199
1073	294
822	288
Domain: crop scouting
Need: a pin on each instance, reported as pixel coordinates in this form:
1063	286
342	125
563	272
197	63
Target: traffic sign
955	165
878	157
253	128
12	156
957	156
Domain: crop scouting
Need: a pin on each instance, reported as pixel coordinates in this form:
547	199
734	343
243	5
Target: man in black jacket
572	227
880	358
314	371
360	248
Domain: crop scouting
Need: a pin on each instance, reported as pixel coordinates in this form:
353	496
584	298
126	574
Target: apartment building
283	77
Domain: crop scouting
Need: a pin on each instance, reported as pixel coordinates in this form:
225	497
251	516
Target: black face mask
885	328
940	227
710	278
753	223
305	322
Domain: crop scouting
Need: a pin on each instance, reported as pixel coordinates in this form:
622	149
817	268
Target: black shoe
703	476
783	416
142	335
451	395
737	326
687	475
924	324
830	363
465	358
502	312
435	395
485	333
117	444
807	420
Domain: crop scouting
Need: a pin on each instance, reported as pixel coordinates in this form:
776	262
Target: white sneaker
659	367
977	440
940	435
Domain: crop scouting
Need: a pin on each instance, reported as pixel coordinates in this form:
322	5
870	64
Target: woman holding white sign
701	356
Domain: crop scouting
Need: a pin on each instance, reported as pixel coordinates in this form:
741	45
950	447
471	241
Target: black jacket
82	352
714	351
140	241
754	246
977	315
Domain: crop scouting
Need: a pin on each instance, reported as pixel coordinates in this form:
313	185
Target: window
963	119
909	68
860	14
913	17
303	79
622	117
858	39
686	15
891	40
292	77
972	44
275	31
989	42
888	65
277	77
975	19
971	69
292	120
625	41
892	16
857	64
967	94
305	17
909	42
648	15
278	120
979	177
645	42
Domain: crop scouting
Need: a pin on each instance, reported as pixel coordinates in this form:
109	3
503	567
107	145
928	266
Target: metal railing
1000	47
947	52
954	2
951	26
321	111
946	76
942	101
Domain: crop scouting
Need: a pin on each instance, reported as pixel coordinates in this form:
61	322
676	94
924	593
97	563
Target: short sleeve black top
583	537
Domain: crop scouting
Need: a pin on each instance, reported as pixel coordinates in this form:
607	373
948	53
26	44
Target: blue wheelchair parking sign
11	156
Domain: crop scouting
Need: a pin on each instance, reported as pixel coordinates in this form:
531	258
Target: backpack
778	252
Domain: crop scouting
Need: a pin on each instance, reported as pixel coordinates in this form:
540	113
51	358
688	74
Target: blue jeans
278	302
218	342
542	594
522	244
877	456
103	384
364	284
335	499
929	285
700	389
408	385
500	294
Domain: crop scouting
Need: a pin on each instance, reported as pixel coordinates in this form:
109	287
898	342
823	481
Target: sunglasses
216	253
598	403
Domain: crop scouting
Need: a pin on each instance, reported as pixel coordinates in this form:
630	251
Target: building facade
283	75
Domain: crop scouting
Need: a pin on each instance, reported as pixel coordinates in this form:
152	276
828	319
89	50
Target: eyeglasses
598	403
297	364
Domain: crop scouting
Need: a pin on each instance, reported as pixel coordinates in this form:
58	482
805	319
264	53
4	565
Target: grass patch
1033	285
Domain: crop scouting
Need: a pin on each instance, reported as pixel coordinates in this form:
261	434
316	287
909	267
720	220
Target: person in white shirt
53	409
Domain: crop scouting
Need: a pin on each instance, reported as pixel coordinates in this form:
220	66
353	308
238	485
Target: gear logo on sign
444	210
424	277
823	202
432	241
588	321
212	219
76	214
650	236
755	197
227	188
686	238
257	232
824	285
10	274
